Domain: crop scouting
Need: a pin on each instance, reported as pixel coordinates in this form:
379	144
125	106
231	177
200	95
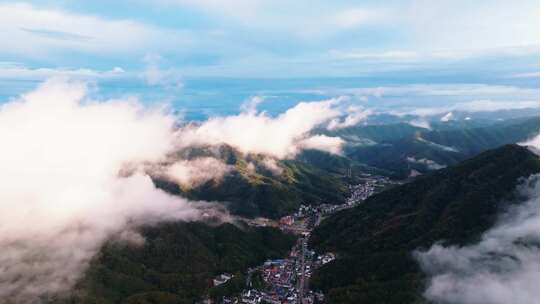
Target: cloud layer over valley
71	178
76	172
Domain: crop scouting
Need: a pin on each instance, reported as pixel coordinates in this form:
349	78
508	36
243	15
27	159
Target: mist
504	267
192	173
77	172
283	136
72	177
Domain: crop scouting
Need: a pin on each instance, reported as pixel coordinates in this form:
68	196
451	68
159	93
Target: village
287	280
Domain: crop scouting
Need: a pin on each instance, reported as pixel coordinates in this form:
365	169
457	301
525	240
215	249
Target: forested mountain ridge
176	263
417	147
250	189
375	240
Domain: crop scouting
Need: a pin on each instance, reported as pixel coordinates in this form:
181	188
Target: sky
176	49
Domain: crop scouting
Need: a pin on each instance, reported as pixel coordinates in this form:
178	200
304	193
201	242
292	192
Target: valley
342	247
286	280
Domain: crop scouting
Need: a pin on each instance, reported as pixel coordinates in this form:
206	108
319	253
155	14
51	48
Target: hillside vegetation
375	240
176	263
442	146
252	190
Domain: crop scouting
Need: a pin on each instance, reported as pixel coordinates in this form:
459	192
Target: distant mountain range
315	177
398	148
374	241
454	206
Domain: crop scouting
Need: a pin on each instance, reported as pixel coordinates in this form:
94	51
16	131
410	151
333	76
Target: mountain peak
455	206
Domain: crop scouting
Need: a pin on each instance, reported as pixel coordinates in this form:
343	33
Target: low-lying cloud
272	165
192	173
283	136
420	123
76	172
155	75
504	267
72	177
428	163
355	116
472	107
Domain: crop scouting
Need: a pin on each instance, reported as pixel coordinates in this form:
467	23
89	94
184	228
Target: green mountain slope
376	133
176	263
453	205
475	140
256	194
444	147
252	190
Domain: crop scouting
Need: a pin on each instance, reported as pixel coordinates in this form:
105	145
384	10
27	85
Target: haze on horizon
192	53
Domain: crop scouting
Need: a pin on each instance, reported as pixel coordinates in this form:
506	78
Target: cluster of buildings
369	185
287	280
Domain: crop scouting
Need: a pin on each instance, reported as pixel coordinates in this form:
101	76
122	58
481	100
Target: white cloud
474	106
238	9
39	32
322	20
428	163
383	56
282	136
17	71
491	106
272	165
155	75
437	30
354	116
447	117
527	75
325	143
250	105
420	123
502	268
533	142
192	173
72	178
445	90
438	26
354	17
477	25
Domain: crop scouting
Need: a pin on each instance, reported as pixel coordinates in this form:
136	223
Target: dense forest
392	146
375	240
252	190
176	263
315	177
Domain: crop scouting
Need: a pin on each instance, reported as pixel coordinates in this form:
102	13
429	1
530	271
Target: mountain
359	134
315	177
454	206
176	263
475	140
252	190
424	150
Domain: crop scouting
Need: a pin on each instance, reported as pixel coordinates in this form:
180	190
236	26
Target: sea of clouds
77	172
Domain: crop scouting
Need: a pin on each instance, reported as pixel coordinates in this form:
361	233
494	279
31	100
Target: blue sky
164	43
275	38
